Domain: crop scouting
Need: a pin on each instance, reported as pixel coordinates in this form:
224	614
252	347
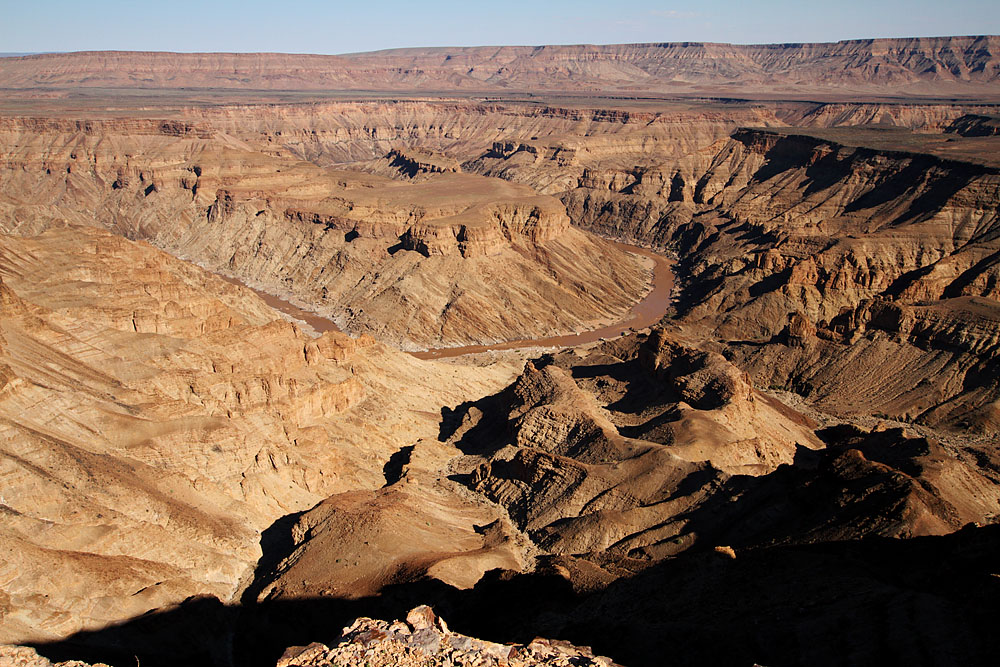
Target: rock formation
648	448
920	66
822	252
797	466
456	259
425	640
156	419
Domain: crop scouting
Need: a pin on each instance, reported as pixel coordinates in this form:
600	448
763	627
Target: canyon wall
929	66
155	419
456	259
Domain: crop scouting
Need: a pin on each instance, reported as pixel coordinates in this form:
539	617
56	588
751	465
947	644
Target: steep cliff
155	419
457	258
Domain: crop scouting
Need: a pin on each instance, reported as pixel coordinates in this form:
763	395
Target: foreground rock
425	641
25	656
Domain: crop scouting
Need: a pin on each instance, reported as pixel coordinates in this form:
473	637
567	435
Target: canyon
694	354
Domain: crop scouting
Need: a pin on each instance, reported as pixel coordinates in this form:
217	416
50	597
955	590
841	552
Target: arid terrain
686	350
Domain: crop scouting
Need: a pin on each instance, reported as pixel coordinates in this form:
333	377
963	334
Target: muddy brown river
643	314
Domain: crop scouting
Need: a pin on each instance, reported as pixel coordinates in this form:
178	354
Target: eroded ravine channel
647	312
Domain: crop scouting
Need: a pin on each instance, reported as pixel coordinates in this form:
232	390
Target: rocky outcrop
645	449
410	162
417	527
24	656
425	640
975	125
597	450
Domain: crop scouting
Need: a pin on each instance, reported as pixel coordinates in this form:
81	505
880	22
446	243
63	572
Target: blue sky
314	26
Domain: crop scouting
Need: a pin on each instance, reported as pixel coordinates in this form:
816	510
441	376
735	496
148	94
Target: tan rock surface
23	656
955	65
424	640
156	419
455	259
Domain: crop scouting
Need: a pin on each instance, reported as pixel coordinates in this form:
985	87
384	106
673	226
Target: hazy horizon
17	54
314	27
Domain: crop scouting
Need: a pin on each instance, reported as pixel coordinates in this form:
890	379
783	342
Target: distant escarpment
922	66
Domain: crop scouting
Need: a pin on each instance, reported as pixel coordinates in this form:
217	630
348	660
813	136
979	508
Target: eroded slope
456	259
155	419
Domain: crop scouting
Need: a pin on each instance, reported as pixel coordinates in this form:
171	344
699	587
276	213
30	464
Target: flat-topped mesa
412	161
488	229
481	218
944	65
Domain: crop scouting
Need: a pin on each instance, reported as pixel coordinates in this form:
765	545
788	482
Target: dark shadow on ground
878	601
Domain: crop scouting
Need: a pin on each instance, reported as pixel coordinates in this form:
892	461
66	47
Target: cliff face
454	258
817	228
920	65
155	419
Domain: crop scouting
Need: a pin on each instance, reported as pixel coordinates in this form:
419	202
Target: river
646	313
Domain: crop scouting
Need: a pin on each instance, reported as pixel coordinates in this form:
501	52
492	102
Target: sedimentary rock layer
459	258
154	419
920	65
